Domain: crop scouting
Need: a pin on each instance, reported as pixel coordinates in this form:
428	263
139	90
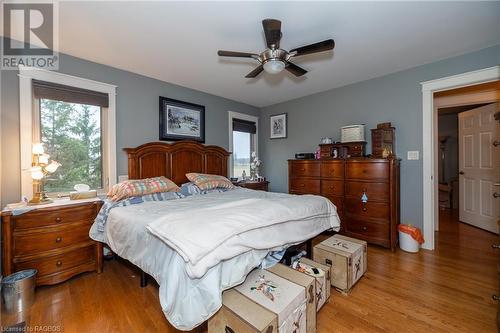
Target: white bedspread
207	229
188	302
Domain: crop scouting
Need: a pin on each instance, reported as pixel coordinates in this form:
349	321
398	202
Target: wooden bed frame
173	161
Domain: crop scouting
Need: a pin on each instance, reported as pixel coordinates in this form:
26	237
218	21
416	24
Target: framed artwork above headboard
174	160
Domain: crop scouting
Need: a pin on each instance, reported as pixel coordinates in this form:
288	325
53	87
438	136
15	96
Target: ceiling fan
273	60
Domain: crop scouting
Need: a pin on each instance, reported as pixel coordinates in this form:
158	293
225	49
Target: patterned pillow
136	187
208	182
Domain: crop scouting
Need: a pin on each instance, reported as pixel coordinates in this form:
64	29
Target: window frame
30	128
255	137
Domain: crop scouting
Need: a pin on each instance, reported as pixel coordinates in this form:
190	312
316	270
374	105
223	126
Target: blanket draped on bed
217	228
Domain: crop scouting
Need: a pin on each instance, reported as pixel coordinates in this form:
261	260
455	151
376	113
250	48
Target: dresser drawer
338	201
58	263
34	242
377	232
332	169
58	216
371	209
304	169
374	191
332	187
304	186
368	171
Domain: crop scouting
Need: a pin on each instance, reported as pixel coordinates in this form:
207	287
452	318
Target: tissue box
82	195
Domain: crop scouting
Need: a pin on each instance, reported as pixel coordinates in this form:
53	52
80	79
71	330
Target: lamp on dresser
40	169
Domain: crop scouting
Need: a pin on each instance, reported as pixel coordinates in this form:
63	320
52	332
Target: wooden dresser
54	240
254	185
344	182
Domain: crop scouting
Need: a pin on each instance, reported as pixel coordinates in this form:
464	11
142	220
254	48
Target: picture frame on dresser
181	120
278	126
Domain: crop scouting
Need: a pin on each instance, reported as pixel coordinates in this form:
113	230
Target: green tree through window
71	134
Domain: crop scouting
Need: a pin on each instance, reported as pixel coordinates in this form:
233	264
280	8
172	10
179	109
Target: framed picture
278	126
181	120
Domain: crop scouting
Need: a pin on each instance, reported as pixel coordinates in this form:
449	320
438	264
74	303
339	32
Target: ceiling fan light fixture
274	66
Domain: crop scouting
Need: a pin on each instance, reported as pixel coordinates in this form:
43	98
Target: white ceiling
177	42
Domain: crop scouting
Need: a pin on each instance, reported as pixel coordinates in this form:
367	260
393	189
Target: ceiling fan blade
325	45
272	31
294	69
255	72
223	53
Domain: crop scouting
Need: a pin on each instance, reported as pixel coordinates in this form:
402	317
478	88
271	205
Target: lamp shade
36	173
52	167
43	159
38	149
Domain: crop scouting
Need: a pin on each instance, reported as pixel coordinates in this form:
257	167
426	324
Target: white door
479	167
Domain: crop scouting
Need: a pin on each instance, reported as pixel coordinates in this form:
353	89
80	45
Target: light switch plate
413	155
122	178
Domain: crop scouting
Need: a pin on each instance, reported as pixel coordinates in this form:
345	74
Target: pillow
190	188
137	187
208	182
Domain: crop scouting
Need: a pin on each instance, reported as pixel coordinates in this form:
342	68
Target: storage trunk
306	281
278	295
322	279
347	257
239	314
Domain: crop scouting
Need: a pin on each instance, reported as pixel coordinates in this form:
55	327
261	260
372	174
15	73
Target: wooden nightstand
260	185
54	239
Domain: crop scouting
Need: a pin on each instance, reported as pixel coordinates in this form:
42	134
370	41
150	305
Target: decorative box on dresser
344	182
54	239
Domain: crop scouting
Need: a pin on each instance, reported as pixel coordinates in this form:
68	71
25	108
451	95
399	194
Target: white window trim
26	111
242	116
429	144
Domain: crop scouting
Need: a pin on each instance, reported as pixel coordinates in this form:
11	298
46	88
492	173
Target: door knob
462	173
496	195
496	143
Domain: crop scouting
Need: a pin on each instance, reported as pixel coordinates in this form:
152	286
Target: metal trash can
18	291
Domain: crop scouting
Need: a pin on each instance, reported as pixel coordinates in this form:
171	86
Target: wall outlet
122	178
413	155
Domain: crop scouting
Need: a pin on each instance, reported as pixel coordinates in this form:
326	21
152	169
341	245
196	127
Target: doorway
468	149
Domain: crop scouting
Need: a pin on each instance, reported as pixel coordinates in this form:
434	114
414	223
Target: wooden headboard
175	160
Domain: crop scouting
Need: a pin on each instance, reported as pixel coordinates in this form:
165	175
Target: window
75	119
71	134
243	141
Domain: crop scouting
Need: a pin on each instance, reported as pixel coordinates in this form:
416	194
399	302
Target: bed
189	245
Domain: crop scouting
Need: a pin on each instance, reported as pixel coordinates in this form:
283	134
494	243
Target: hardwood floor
448	290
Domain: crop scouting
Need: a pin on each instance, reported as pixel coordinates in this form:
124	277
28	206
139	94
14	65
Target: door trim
429	134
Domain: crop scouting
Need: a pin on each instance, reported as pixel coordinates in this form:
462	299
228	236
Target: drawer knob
58	239
59	263
303	169
495	246
495	297
302	185
364	171
58	219
364	228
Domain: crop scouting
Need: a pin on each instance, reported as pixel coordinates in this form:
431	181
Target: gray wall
137	114
396	98
448	126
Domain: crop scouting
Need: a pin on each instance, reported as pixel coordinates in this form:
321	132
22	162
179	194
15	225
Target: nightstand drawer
34	242
58	263
55	216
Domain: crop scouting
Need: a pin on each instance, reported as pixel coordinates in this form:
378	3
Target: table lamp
41	167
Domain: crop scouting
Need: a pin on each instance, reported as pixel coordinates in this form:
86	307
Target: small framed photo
278	126
181	120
